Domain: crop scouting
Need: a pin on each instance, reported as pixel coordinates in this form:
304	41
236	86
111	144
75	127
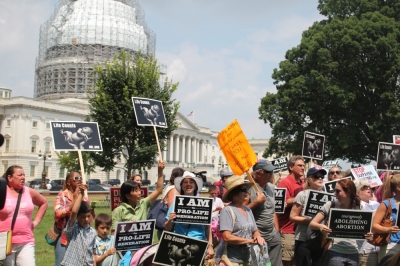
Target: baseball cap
226	173
265	165
314	170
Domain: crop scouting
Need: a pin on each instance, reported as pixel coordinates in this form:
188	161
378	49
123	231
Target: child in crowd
104	251
217	204
81	237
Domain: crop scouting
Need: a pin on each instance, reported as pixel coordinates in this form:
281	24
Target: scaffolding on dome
81	34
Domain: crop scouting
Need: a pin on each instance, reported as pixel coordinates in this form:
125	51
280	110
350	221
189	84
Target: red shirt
293	187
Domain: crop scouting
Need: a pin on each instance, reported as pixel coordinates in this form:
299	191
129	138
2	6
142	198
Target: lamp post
45	156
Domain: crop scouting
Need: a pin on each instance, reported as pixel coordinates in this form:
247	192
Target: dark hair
126	189
84	208
65	185
212	187
292	161
177	171
233	192
349	188
132	178
102	218
10	171
195	190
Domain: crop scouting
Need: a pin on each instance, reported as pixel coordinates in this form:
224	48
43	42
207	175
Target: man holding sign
263	207
293	184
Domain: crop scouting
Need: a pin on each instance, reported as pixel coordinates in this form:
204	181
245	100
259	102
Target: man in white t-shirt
217	204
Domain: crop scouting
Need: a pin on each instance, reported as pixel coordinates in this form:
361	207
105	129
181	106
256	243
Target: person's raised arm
41	202
77	205
160	183
260	199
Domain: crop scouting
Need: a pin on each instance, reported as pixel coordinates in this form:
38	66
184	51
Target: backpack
158	211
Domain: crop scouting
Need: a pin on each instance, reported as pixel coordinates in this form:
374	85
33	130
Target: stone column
177	149
189	151
183	149
171	148
194	150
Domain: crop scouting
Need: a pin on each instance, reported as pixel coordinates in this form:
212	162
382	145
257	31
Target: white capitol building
25	124
77	36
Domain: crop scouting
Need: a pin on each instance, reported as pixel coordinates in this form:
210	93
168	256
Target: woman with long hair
340	251
63	204
302	255
391	196
23	240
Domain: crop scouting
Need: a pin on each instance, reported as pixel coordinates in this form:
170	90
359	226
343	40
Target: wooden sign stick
82	170
252	181
158	143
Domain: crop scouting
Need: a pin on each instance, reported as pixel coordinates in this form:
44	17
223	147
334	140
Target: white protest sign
367	172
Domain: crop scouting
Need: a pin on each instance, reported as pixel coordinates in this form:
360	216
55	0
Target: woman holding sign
237	224
133	207
303	255
340	251
392	187
189	185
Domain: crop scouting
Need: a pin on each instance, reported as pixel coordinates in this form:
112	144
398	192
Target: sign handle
252	181
82	170
158	143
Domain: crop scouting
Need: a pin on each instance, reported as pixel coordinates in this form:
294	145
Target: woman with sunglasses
302	255
340	251
392	195
63	204
241	231
368	252
334	173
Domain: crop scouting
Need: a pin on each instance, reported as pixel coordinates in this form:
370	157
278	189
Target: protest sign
177	249
314	202
149	112
259	255
398	213
116	199
236	148
280	164
193	210
280	199
76	136
388	156
313	146
329	164
349	224
134	235
330	186
367	172
396	139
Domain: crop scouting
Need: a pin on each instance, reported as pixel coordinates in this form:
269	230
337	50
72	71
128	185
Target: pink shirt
22	233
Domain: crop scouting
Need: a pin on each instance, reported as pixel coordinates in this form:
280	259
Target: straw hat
231	183
186	174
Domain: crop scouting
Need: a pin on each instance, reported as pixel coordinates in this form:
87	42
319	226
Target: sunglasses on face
77	178
317	176
334	172
365	187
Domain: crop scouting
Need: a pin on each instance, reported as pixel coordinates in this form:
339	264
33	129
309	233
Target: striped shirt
82	242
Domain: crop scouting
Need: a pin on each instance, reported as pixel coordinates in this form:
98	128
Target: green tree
70	161
111	107
341	81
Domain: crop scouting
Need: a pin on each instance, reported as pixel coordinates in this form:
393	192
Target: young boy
217	204
104	251
81	237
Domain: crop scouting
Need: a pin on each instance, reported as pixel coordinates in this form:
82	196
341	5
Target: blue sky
221	52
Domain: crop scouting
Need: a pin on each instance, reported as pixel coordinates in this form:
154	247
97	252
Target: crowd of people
243	215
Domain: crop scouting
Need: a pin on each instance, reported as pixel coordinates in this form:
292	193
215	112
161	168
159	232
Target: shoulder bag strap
16	208
233	224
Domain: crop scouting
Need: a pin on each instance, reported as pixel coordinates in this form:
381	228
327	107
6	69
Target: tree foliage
111	106
70	161
341	81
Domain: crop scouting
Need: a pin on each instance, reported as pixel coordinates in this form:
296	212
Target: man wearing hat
263	207
221	189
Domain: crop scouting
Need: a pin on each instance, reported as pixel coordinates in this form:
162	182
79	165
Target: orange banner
236	148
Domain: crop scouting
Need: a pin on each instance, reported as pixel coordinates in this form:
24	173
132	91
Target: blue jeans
59	251
333	258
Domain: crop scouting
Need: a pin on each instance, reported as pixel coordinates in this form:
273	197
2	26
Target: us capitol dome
81	34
